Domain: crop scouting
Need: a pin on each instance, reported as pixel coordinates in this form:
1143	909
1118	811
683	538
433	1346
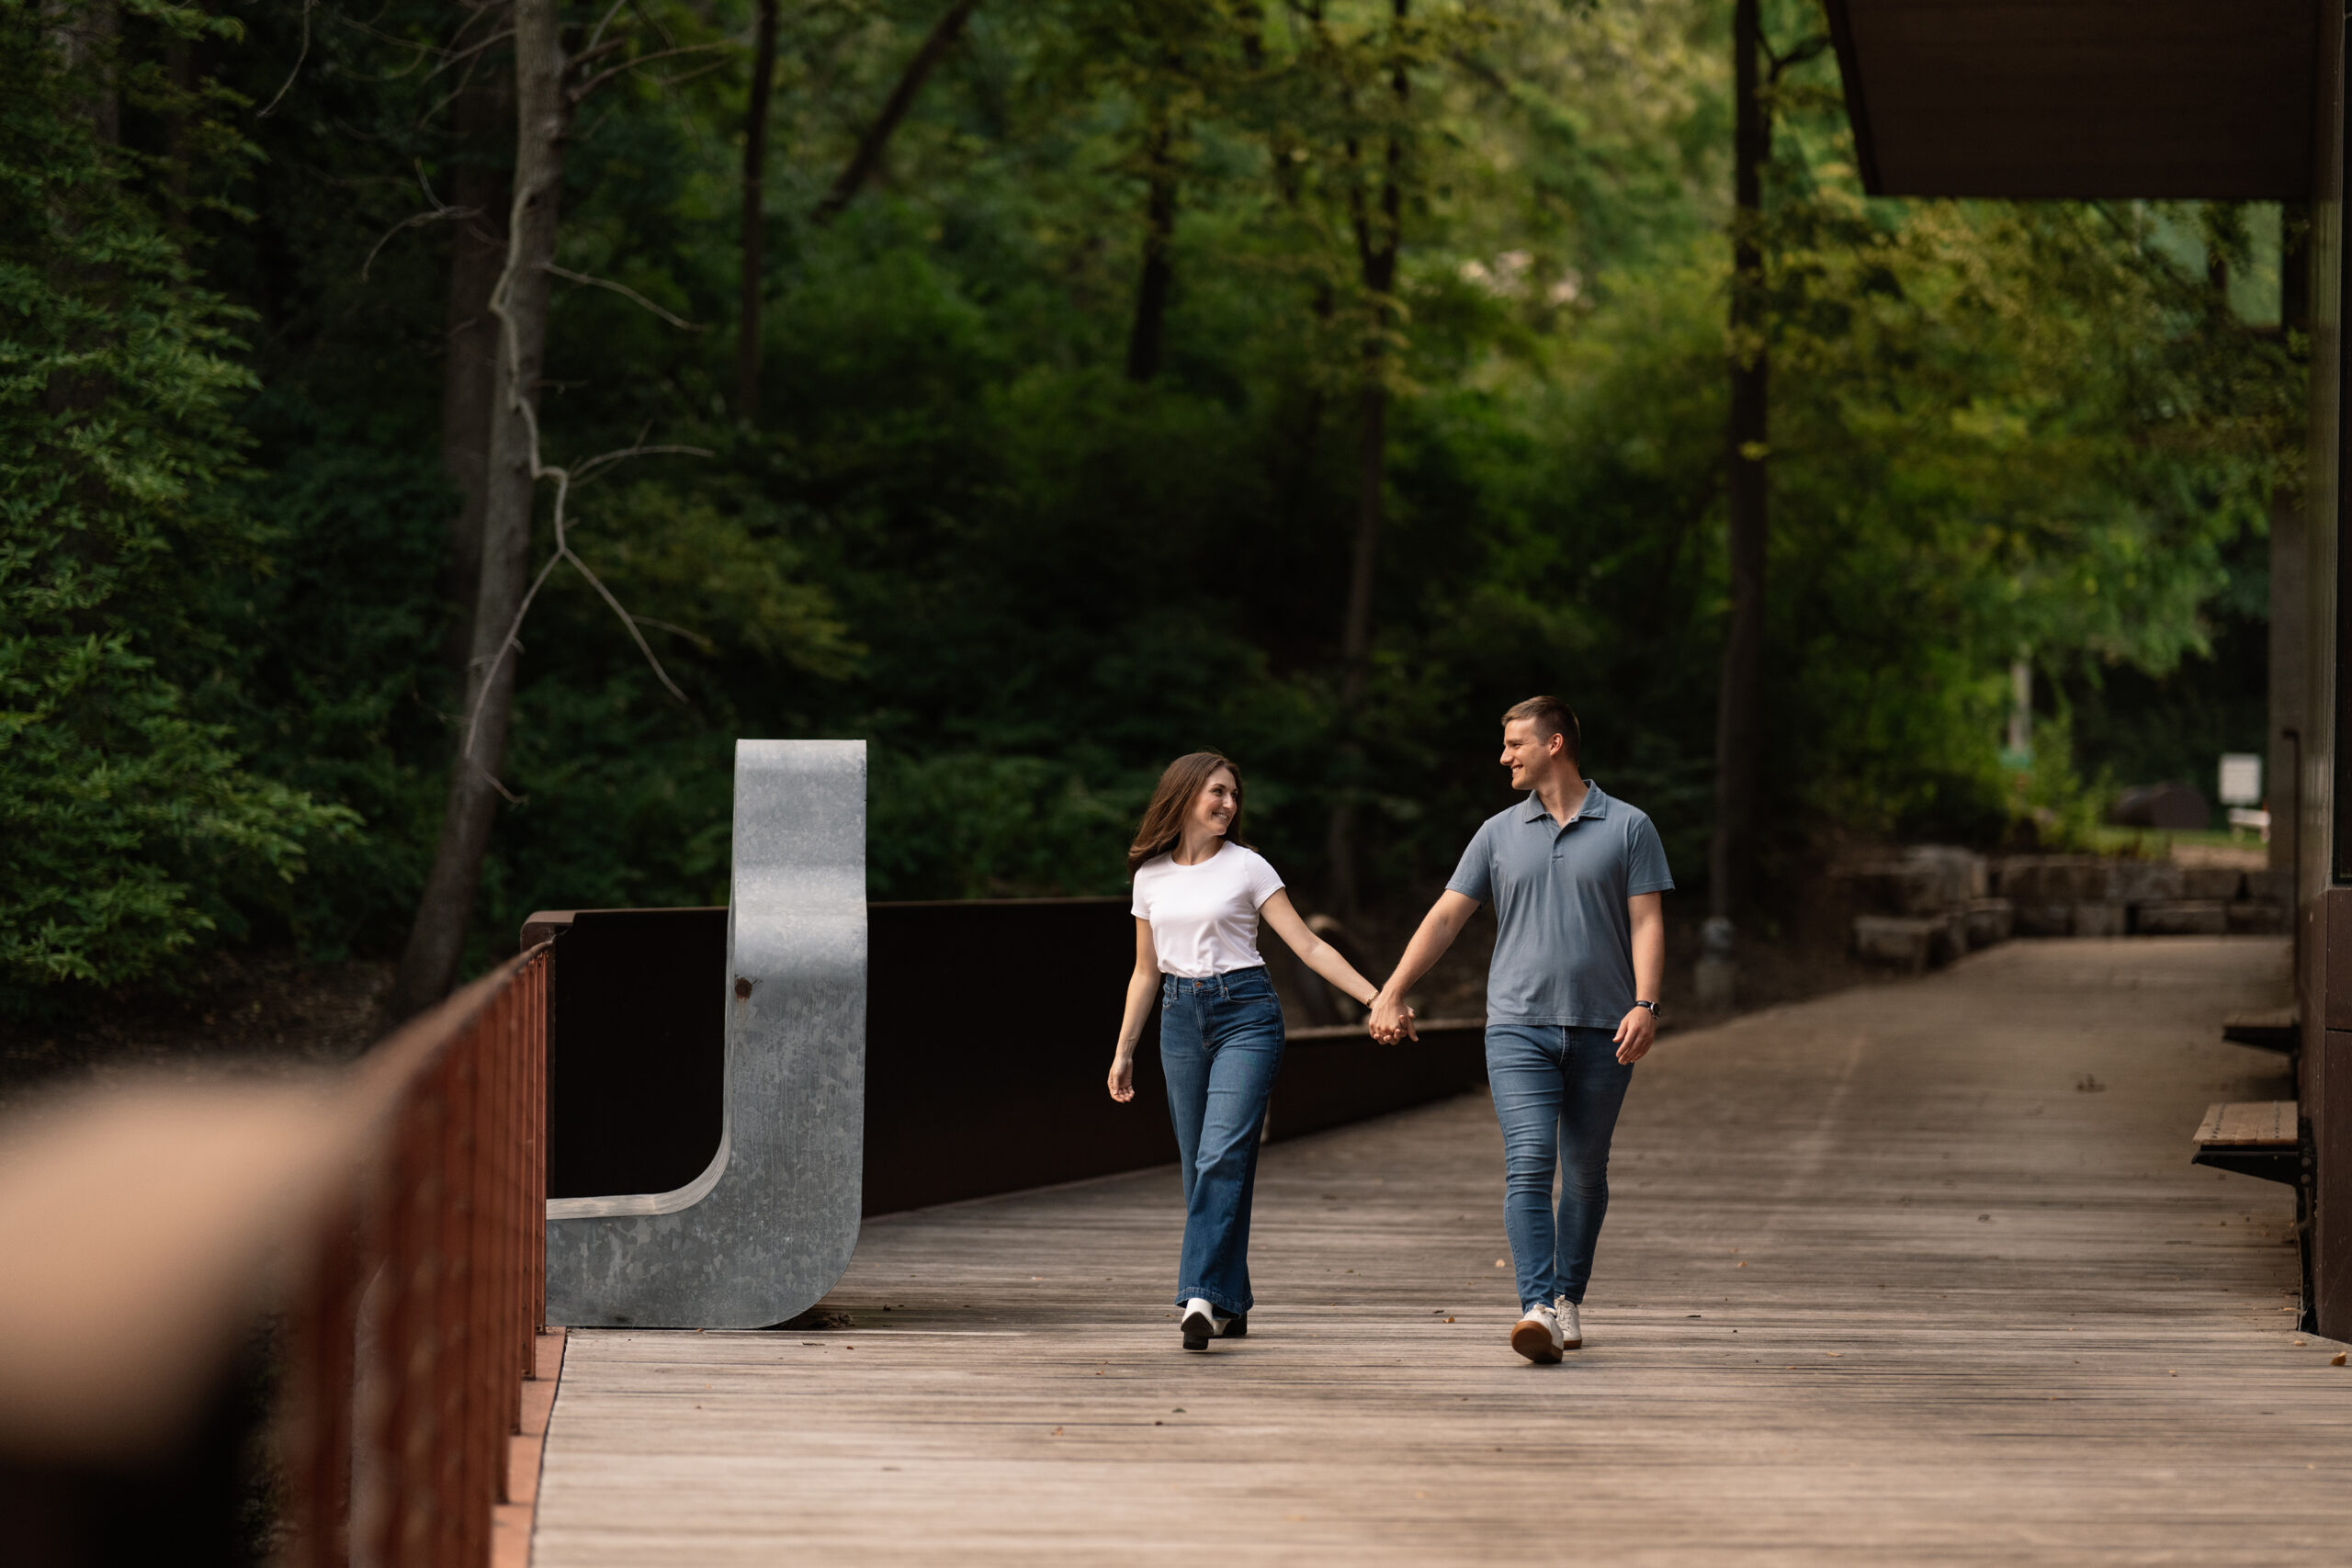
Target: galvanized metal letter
768	1227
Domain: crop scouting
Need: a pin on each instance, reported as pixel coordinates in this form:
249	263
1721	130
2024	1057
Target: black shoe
1234	1328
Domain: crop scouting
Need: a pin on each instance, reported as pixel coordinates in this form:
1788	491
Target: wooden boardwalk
1916	1273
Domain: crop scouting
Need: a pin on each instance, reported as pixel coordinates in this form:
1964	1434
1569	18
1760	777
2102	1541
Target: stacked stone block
1928	904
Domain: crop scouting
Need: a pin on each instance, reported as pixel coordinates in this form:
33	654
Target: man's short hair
1552	716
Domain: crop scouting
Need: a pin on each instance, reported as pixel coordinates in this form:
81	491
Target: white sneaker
1571	1329
1537	1335
1200	1323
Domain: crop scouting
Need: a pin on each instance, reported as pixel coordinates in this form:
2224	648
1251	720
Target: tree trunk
519	304
482	112
868	156
1159	231
1377	247
1355	641
1739	717
755	165
87	40
179	147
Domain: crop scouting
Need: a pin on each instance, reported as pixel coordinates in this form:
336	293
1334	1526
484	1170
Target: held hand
1123	1078
1391	1019
1637	1031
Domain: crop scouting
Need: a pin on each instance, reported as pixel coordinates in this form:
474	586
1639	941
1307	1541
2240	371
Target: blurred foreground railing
290	1322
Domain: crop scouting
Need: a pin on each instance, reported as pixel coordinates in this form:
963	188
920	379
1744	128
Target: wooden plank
2265	1028
2268	1123
1911	1274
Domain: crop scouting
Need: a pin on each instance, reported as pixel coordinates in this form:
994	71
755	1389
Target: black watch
1652	1006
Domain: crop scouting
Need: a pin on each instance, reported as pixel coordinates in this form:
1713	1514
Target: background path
1916	1273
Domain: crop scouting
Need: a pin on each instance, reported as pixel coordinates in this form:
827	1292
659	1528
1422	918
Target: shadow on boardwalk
1915	1273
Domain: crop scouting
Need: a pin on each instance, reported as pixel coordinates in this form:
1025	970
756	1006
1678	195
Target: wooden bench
2251	1125
2264	1138
2253	1138
2270	1029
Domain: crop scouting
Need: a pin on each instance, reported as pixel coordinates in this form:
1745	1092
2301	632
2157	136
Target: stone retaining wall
1926	904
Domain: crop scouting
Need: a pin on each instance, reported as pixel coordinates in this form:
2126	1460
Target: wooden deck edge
514	1522
2258	1125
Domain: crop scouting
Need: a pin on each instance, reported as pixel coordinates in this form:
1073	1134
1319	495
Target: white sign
2241	778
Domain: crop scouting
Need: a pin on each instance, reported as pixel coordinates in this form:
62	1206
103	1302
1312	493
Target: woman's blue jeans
1558	1091
1220	1045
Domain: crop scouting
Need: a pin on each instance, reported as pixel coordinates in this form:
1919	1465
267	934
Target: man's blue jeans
1558	1091
1220	1045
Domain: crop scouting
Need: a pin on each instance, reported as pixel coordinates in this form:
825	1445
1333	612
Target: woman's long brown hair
1163	819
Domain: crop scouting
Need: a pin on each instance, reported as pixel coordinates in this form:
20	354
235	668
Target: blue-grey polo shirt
1563	943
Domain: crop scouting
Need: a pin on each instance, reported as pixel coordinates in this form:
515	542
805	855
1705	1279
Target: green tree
132	829
958	524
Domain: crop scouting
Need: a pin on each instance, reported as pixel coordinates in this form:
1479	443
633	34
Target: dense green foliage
130	826
959	530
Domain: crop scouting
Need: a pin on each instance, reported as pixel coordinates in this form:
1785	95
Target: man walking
1575	879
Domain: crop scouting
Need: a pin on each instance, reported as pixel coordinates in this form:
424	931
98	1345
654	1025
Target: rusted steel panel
392	1213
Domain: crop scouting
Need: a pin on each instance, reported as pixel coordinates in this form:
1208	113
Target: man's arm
1645	913
1391	1019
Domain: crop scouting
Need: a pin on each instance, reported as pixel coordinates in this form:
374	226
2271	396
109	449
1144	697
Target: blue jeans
1558	1091
1220	1045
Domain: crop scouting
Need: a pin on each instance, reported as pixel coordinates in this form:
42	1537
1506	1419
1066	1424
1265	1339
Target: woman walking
1200	893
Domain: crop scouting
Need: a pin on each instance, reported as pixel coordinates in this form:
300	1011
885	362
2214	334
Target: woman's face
1214	807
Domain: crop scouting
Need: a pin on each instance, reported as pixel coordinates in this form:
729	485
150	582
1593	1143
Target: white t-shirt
1205	917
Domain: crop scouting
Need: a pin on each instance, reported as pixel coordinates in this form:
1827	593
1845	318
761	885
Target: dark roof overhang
2184	99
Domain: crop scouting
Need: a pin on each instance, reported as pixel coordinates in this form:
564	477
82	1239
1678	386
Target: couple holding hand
1575	879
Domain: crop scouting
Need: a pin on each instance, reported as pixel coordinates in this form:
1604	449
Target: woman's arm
1312	949
1143	985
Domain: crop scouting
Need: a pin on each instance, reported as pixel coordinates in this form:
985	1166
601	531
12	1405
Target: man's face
1533	758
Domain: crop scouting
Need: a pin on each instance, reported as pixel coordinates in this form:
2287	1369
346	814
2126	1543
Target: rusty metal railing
368	1247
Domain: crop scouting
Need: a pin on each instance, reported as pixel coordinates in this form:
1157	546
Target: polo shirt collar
1595	804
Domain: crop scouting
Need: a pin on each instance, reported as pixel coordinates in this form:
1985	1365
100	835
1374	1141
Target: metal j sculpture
767	1227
